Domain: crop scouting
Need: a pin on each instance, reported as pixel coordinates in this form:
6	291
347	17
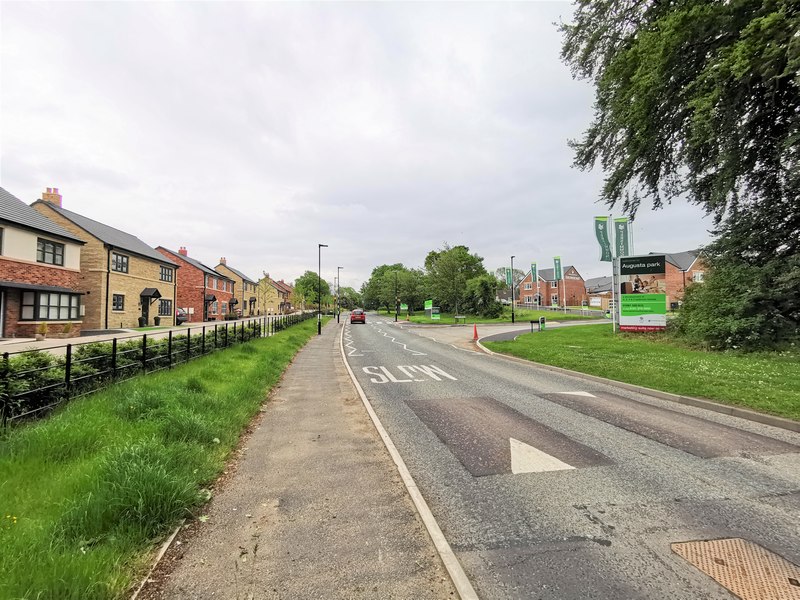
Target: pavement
312	507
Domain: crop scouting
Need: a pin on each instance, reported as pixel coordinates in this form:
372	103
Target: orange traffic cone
475	331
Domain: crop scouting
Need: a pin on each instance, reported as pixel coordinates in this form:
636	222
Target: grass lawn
768	382
520	316
86	493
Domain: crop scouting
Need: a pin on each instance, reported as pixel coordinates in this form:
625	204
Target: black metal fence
33	382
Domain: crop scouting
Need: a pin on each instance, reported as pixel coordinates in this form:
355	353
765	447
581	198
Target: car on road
180	316
358	316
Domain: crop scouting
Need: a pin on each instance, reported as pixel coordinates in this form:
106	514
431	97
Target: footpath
313	507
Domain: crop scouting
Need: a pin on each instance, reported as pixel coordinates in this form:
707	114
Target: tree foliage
308	287
700	100
481	296
448	271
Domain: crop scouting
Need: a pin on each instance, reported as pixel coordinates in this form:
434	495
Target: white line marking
527	459
457	575
349	343
406	348
584	394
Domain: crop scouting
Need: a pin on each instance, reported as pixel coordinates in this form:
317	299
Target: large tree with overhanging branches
699	100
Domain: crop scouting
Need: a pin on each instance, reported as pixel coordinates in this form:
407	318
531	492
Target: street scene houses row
62	273
682	269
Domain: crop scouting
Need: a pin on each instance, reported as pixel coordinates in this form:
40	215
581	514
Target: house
246	298
599	291
550	292
274	296
683	269
126	282
40	277
203	293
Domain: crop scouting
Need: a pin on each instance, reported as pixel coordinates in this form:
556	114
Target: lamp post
512	288
319	288
338	296
396	299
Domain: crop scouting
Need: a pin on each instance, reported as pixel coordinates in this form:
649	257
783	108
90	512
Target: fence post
169	349
144	353
241	334
68	371
6	389
114	358
203	343
226	335
215	336
188	343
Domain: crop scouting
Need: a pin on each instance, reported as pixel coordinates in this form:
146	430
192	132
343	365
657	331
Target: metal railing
33	382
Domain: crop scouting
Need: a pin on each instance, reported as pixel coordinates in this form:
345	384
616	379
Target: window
118	302
167	274
697	276
165	308
224	308
50	306
528	299
214	282
214	307
527	286
119	262
50	253
554	300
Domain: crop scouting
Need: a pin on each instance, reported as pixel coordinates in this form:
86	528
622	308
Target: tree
448	271
307	287
481	296
373	290
700	100
349	298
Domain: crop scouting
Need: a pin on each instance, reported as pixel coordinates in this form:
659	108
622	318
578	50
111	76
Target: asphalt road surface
548	486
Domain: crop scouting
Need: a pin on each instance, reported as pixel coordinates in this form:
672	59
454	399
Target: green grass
86	493
520	316
768	382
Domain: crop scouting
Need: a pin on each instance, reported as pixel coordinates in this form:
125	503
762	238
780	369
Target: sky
256	131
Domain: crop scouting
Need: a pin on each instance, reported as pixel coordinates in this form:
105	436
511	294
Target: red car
358	316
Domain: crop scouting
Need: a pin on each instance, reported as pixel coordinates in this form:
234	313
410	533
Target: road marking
527	459
381	374
584	394
406	348
348	336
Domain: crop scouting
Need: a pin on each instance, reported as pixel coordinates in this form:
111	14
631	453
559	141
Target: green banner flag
557	270
534	274
601	231
621	244
508	277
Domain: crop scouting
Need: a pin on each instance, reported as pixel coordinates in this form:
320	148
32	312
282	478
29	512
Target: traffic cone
475	332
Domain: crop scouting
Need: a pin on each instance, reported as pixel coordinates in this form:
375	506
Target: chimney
222	261
52	196
182	251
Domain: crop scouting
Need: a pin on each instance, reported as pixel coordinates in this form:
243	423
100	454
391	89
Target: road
549	486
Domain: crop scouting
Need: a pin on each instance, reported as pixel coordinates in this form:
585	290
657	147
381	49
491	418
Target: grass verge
768	382
85	493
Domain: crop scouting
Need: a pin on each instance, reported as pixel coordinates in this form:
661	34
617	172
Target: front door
146	310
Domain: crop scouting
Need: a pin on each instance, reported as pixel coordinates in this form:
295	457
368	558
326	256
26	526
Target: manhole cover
744	568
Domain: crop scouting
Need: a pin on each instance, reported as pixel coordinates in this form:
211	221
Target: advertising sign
435	316
428	304
534	274
643	297
403	306
557	270
621	236
508	277
601	232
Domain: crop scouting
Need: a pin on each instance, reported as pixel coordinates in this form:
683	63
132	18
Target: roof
549	274
282	287
110	236
38	288
597	285
237	273
15	211
196	263
682	260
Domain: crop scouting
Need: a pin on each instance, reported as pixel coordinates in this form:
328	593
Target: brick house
125	280
286	295
552	292
39	273
246	297
683	269
202	292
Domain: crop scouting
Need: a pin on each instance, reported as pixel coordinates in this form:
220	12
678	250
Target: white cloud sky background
255	131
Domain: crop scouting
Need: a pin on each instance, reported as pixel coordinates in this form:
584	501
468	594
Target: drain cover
744	568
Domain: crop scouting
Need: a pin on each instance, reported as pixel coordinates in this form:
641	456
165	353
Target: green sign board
601	232
403	306
435	316
428	304
558	276
508	277
643	299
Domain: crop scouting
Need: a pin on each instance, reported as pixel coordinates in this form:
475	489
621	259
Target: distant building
683	269
40	278
551	292
246	297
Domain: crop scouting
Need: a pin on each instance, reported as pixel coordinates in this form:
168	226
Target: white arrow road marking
584	394
527	459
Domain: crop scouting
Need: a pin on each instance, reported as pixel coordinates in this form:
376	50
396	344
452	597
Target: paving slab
313	508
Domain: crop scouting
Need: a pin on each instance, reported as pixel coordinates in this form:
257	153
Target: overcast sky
255	131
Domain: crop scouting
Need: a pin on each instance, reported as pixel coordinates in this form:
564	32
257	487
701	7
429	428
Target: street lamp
396	299
338	297
512	288
319	288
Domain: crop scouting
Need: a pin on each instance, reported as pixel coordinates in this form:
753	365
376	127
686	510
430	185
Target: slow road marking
410	373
